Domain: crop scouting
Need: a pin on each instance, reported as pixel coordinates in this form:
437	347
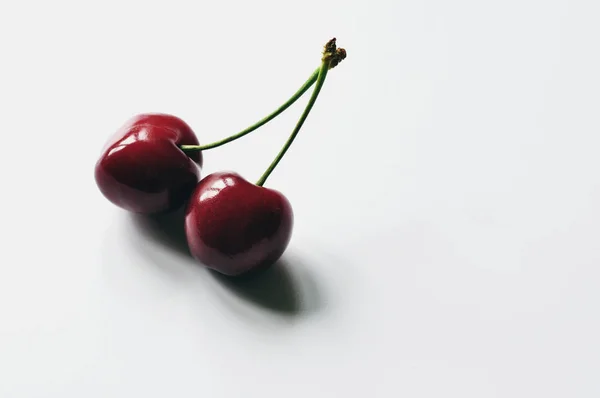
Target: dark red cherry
143	170
236	227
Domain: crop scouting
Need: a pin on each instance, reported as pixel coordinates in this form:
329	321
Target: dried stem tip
330	47
332	54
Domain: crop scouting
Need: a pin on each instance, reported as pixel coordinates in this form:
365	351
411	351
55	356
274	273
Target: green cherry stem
311	80
320	80
331	57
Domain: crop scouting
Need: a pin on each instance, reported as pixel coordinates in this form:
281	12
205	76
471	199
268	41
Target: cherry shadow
280	288
166	229
274	288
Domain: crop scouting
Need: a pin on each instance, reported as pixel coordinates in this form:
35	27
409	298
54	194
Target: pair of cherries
152	165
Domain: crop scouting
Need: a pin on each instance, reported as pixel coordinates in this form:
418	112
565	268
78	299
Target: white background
446	190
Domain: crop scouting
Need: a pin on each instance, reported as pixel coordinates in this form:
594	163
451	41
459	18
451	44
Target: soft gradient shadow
286	288
166	229
275	288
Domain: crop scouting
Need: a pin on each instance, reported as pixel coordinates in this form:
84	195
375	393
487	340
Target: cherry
235	227
142	169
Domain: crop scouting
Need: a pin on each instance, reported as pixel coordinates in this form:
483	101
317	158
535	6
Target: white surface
446	191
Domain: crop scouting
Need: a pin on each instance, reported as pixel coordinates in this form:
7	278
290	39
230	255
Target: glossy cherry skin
143	170
236	227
